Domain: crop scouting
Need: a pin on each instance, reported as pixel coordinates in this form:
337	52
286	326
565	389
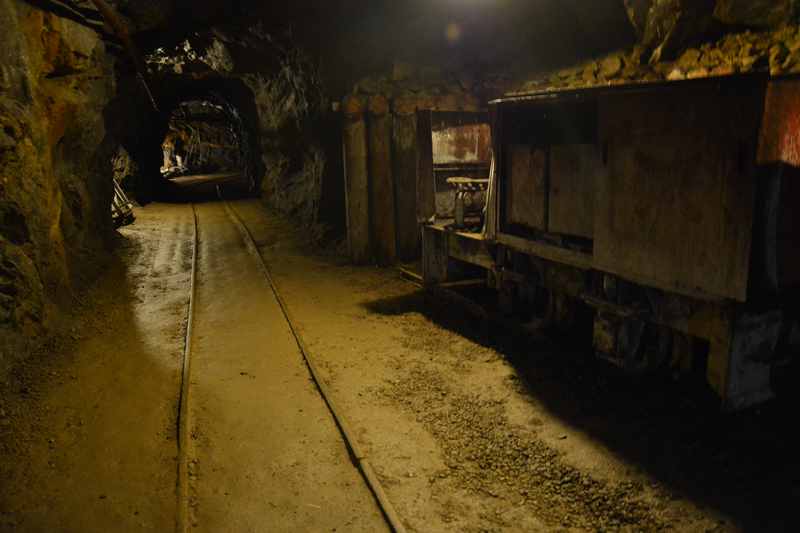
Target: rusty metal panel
574	169
780	131
526	190
467	143
675	210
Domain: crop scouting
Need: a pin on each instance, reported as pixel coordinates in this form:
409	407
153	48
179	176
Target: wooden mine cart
668	209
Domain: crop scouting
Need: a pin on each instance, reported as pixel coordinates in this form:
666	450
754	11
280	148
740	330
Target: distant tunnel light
453	33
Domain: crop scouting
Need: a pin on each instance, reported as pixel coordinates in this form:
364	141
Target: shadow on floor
744	464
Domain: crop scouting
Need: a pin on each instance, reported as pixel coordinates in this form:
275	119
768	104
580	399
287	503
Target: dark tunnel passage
206	145
203	138
203	134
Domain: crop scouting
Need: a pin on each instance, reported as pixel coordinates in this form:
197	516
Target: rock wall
665	27
756	13
55	166
289	101
683	39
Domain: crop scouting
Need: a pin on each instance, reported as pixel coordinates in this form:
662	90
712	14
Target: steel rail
183	427
359	459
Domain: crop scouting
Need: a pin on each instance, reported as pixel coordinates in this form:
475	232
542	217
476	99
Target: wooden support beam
356	181
435	261
426	195
382	200
405	185
547	251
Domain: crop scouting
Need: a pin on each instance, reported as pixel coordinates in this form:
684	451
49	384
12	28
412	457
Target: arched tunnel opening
207	148
207	145
208	139
203	137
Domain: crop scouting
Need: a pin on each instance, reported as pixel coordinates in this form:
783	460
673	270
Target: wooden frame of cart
667	209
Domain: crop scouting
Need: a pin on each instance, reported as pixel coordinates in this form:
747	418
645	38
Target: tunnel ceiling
350	39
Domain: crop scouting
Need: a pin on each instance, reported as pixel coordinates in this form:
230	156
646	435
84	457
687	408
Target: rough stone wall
289	100
55	166
683	39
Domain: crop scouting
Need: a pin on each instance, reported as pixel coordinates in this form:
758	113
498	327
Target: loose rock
498	460
611	67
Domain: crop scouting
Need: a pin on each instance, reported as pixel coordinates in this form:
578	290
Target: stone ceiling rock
638	11
755	13
665	27
671	25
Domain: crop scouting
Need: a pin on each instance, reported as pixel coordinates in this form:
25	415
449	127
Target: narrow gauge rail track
357	455
182	522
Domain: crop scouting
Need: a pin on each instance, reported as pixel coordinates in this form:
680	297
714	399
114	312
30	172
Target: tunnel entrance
206	145
204	132
201	139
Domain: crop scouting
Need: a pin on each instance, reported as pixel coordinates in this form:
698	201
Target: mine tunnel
419	265
205	143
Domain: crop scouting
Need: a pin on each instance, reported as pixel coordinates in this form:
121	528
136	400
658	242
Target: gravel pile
486	454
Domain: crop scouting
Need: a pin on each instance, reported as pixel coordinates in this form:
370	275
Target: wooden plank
675	210
472	251
411	275
462	143
382	201
426	193
574	168
547	251
526	193
357	187
446	225
434	256
405	185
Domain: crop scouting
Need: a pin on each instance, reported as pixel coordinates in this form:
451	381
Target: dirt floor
523	434
266	454
516	434
87	427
